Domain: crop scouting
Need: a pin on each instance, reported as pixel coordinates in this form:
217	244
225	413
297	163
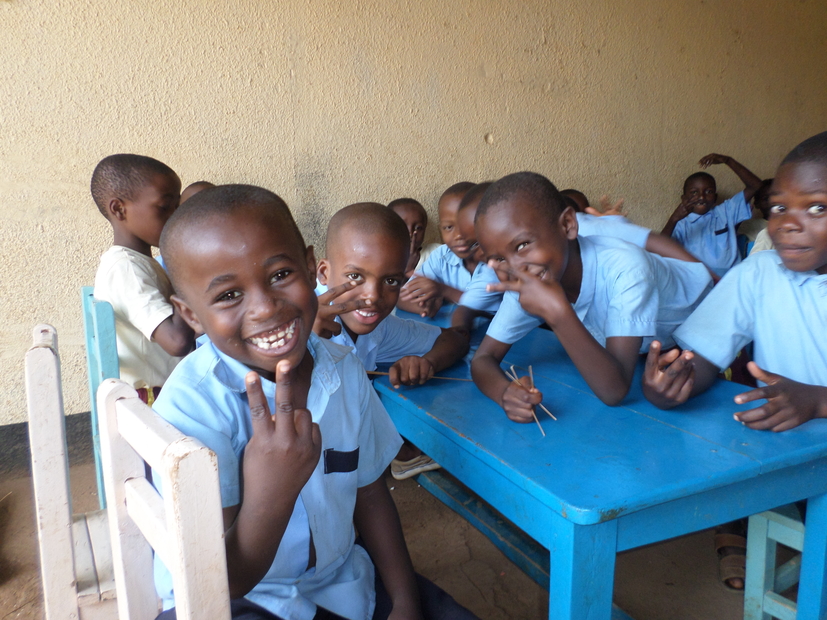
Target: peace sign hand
325	324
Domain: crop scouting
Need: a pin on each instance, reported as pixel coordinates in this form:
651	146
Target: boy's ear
323	271
186	313
310	258
568	222
116	209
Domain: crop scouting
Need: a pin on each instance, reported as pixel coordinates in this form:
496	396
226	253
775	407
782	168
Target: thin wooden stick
513	378
531	374
385	374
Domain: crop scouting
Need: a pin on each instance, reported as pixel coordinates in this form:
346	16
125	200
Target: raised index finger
333	293
259	411
284	388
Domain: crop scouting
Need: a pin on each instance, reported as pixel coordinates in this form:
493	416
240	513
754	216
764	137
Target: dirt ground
672	580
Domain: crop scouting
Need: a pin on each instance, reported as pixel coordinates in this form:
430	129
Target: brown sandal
732	559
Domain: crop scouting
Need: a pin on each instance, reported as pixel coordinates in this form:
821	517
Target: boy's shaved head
474	194
122	176
811	150
578	198
698	175
457	189
542	193
217	206
399	202
369	218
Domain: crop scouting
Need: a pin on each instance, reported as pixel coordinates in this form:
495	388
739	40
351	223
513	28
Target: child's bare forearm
748	178
486	371
250	547
608	373
174	335
451	294
664	245
448	348
378	524
463	317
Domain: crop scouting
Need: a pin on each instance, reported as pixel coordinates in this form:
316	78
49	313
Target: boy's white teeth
276	339
366	314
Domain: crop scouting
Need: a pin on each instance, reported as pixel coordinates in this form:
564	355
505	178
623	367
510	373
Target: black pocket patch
722	231
336	462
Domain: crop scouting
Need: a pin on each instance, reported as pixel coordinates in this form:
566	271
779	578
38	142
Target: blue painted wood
652	474
101	362
812	588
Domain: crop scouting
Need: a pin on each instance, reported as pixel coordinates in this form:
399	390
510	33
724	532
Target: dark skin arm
419	296
674	377
174	335
683	209
448	349
660	244
287	442
608	370
789	403
518	402
378	524
463	317
750	181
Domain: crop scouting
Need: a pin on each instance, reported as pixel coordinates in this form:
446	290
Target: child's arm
287	442
681	211
788	405
609	370
660	244
174	335
750	181
672	378
378	524
448	348
518	402
463	317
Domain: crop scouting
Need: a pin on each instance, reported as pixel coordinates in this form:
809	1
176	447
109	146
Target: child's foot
405	469
731	545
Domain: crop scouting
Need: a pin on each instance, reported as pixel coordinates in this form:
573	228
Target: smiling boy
292	484
359	284
604	298
776	300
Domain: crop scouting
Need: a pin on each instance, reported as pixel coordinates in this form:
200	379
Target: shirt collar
588	258
798	278
231	373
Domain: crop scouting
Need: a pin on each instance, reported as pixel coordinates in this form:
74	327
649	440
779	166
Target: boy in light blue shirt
776	300
293	484
603	297
706	230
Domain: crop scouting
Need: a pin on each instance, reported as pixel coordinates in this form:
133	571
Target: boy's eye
228	296
354	276
448	227
817	210
392	281
777	209
520	246
280	275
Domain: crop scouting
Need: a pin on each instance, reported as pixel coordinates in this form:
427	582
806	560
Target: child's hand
788	405
543	298
668	379
288	442
606	207
713	158
325	324
519	402
411	370
424	292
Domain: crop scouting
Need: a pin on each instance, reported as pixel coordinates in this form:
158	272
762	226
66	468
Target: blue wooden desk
608	479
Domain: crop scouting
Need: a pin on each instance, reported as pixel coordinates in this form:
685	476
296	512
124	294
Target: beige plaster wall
329	102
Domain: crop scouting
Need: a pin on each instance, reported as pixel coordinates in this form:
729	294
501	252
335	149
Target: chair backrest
101	361
184	527
50	474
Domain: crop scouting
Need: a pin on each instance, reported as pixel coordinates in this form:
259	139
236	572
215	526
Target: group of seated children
286	334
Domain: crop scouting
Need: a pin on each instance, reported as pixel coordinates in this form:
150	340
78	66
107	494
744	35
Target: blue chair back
101	361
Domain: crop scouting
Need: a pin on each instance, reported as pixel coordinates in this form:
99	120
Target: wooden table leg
582	564
812	589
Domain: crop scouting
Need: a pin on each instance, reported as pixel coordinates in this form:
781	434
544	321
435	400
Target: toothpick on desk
513	377
385	374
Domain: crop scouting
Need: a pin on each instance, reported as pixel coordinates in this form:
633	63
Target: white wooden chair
75	555
184	527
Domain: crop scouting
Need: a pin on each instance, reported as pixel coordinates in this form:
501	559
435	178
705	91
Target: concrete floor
672	580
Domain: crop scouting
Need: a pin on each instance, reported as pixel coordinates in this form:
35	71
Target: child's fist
411	370
668	379
519	401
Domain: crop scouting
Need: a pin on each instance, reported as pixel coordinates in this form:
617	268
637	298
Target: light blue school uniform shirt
445	267
477	297
711	237
782	312
625	291
205	397
393	339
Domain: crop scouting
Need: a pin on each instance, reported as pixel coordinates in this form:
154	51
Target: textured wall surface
329	103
